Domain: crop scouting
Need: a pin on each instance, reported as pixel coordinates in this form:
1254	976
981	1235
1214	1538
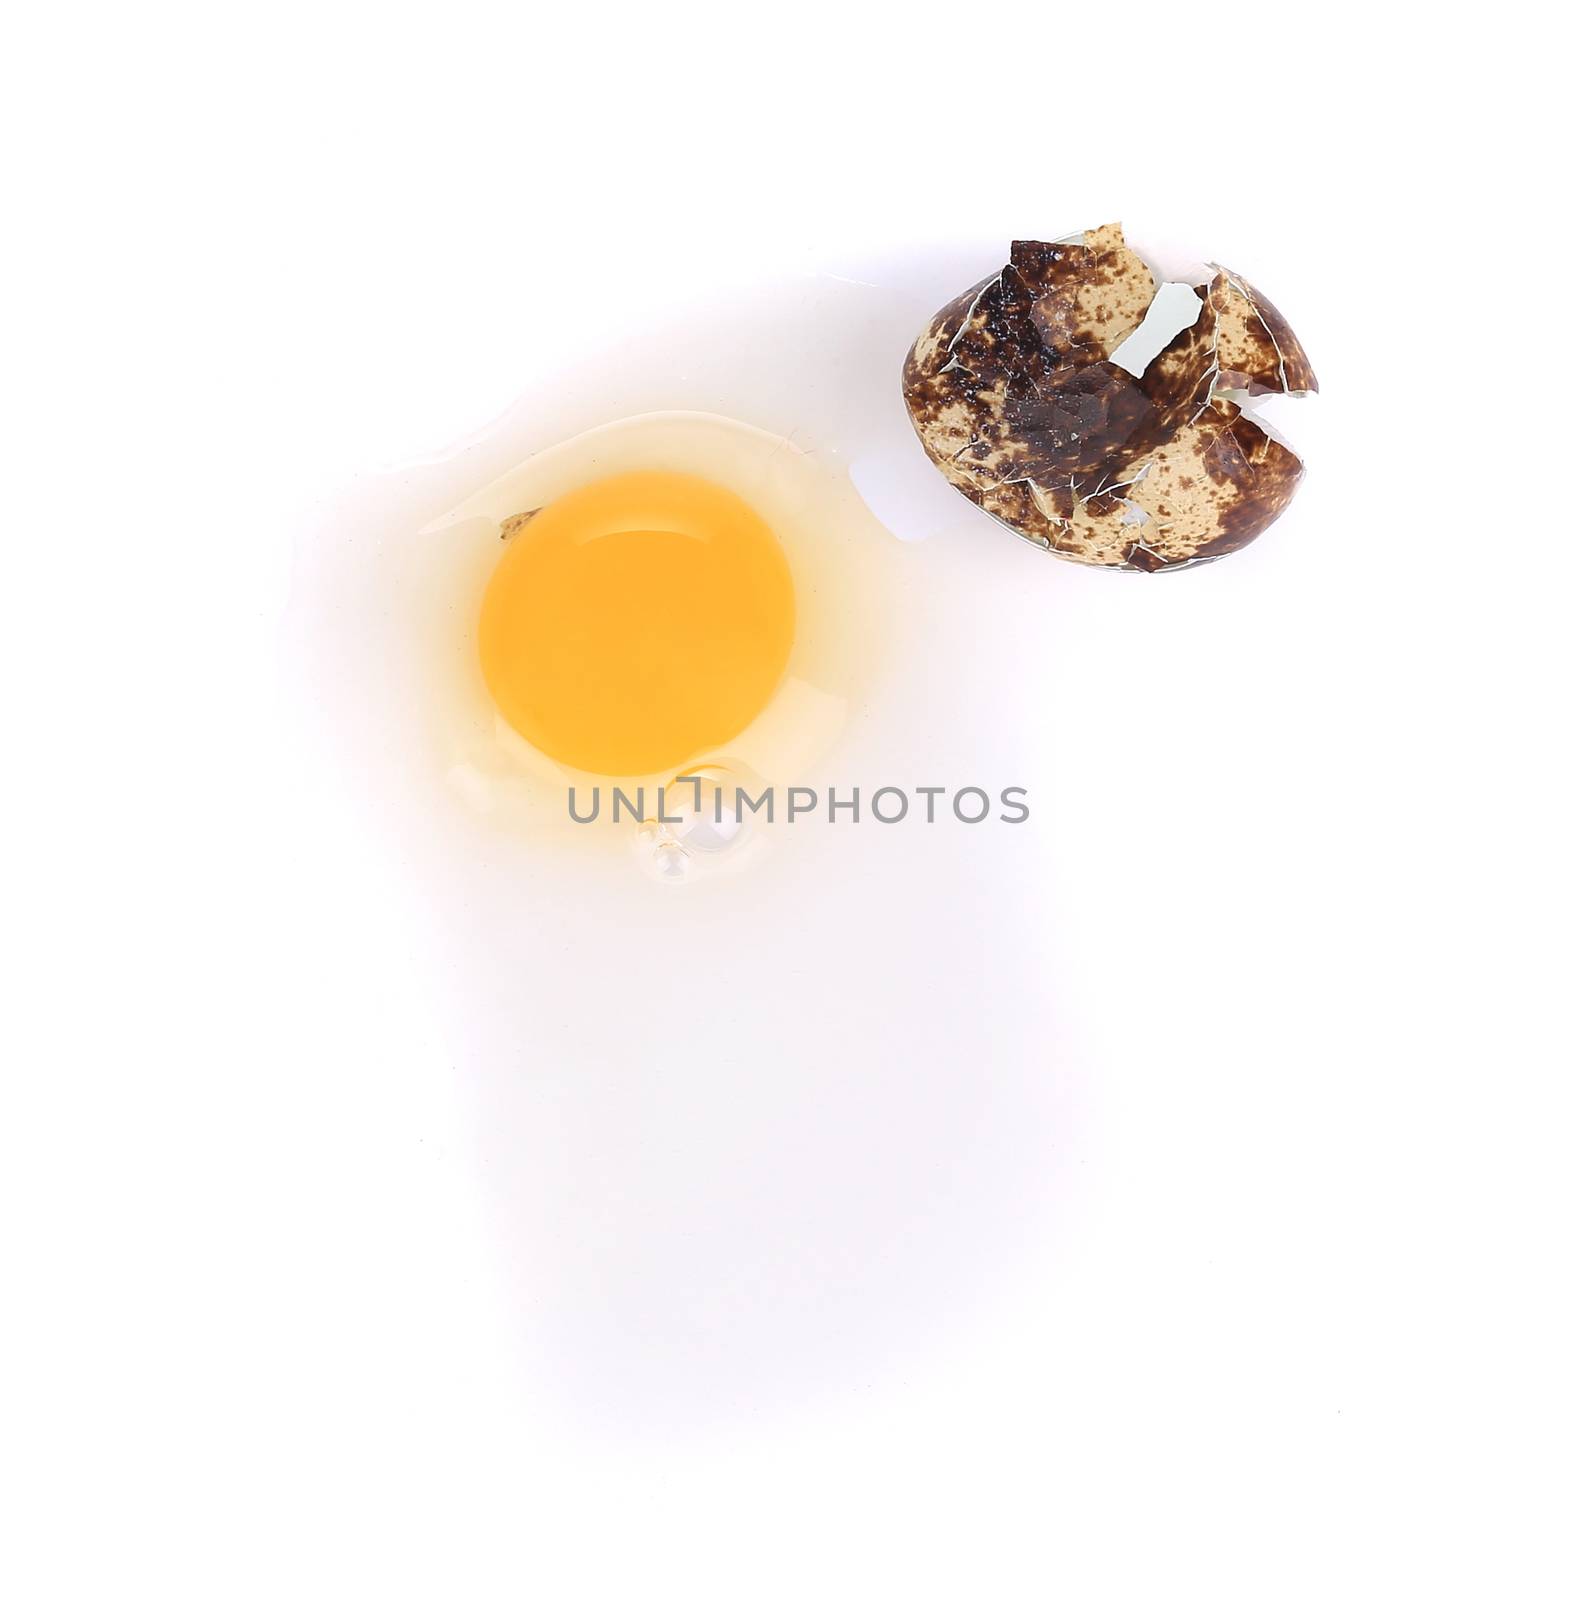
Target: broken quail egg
1023	393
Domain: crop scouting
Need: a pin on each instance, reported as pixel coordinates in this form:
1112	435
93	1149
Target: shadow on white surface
745	1143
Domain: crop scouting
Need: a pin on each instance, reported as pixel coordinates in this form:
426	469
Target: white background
1303	1310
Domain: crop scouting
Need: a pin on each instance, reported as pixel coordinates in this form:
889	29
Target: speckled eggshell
1014	397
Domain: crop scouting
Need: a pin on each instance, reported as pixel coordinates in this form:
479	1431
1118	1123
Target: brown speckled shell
1258	351
1015	400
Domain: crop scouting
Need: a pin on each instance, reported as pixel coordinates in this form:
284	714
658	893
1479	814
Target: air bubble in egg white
671	862
700	827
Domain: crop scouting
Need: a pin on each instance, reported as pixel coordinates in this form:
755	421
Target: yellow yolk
637	623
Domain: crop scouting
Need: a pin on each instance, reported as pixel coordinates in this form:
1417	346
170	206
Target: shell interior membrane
1016	400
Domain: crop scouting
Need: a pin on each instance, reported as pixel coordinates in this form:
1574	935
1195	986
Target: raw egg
671	594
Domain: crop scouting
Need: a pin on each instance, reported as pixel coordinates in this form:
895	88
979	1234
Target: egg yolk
637	623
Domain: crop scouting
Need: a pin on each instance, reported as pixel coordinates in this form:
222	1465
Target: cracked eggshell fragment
1258	351
1014	398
